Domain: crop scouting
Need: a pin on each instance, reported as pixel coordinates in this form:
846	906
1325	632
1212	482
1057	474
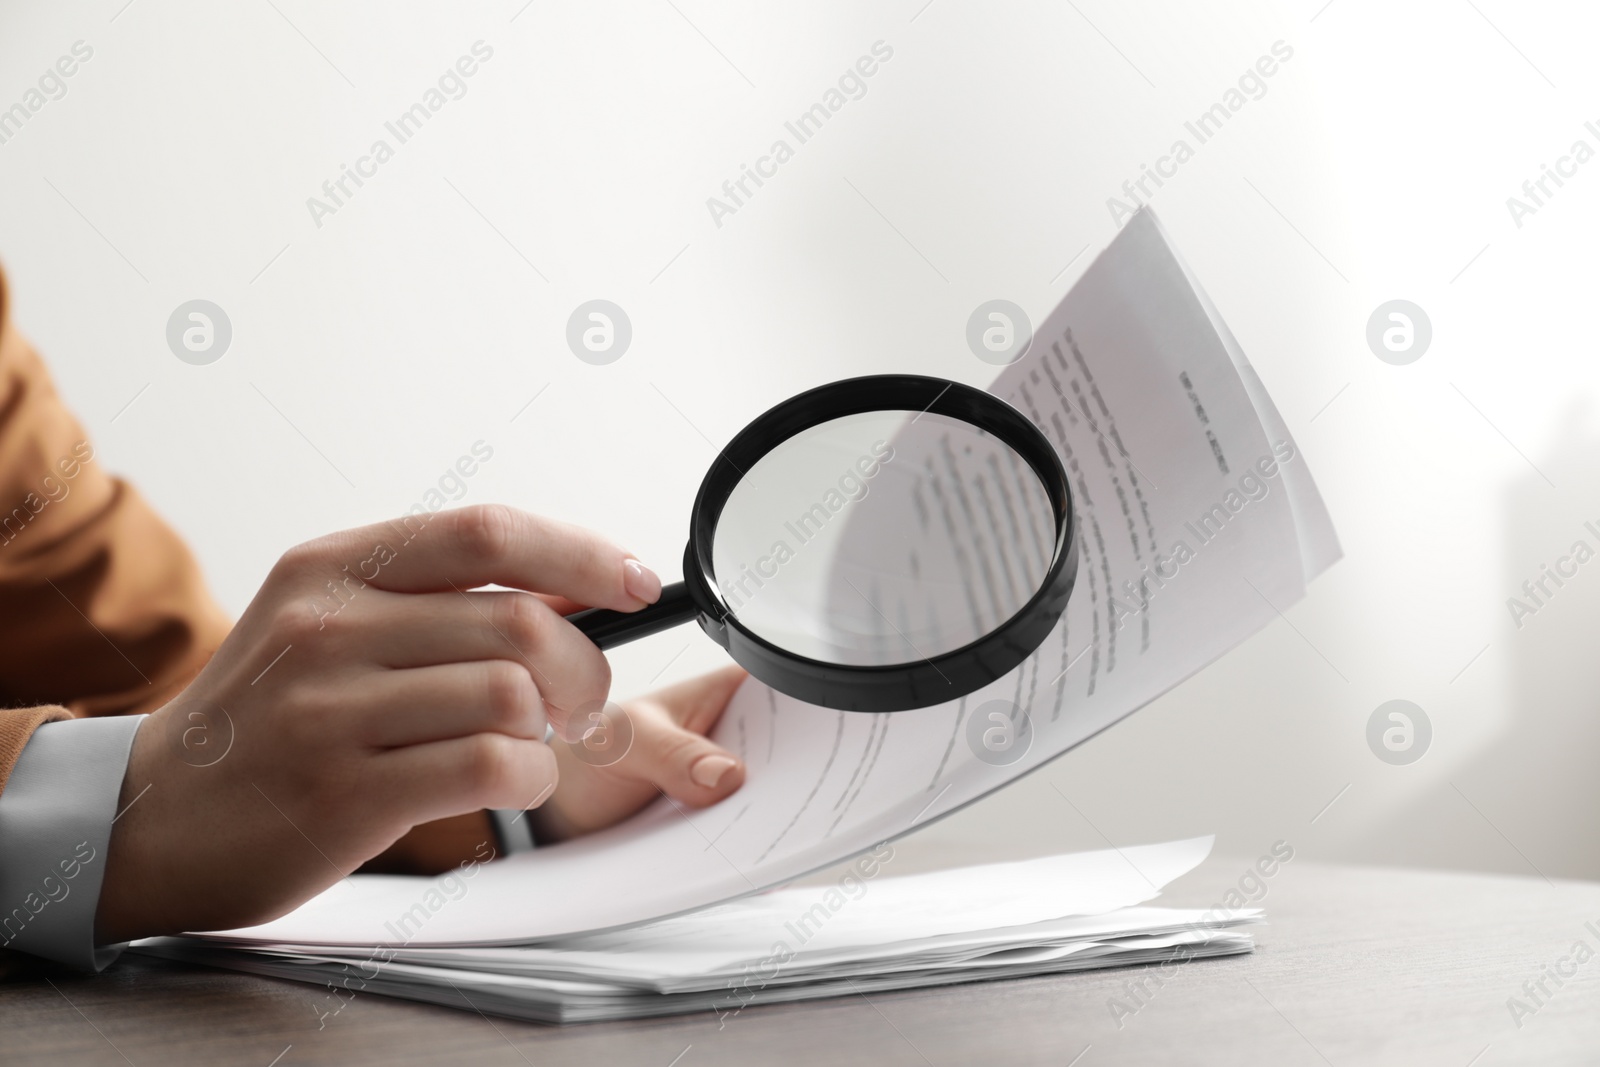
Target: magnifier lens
883	538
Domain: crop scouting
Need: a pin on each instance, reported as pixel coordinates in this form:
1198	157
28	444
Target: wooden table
1359	965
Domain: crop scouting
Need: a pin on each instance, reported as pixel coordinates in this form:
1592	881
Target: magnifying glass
876	544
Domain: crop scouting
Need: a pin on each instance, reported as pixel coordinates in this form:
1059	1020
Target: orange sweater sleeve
103	611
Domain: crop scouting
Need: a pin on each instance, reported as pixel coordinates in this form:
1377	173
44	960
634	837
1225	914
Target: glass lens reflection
883	538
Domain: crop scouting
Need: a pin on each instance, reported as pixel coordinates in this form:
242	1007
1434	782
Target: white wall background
416	321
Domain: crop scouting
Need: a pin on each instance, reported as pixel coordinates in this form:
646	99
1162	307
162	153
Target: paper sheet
879	931
1137	936
1200	523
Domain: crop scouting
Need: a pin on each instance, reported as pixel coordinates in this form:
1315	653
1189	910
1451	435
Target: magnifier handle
607	628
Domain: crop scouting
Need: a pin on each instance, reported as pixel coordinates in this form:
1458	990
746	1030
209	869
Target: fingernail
640	581
709	770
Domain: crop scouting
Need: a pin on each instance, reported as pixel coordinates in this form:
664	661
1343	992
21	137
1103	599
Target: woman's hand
663	750
367	689
667	752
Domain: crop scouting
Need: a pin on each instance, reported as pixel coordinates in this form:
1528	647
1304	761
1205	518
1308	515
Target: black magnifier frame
874	688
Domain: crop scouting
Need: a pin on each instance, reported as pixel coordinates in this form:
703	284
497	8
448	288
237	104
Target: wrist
130	896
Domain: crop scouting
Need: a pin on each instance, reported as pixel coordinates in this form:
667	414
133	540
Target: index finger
491	544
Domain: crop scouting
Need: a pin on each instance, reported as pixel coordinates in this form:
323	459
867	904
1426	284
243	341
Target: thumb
687	766
699	702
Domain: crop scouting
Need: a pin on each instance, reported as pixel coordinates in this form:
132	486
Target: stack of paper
866	931
1200	525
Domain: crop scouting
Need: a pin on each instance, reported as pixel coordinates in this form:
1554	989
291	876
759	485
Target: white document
1144	935
861	933
1200	522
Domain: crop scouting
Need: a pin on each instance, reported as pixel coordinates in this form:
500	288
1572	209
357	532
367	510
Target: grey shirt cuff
56	812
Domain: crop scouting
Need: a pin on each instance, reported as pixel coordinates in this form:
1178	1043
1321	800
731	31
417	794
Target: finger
562	605
412	707
444	778
488	544
440	628
698	703
685	765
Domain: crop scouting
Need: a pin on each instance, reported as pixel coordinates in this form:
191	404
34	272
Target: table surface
1358	965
